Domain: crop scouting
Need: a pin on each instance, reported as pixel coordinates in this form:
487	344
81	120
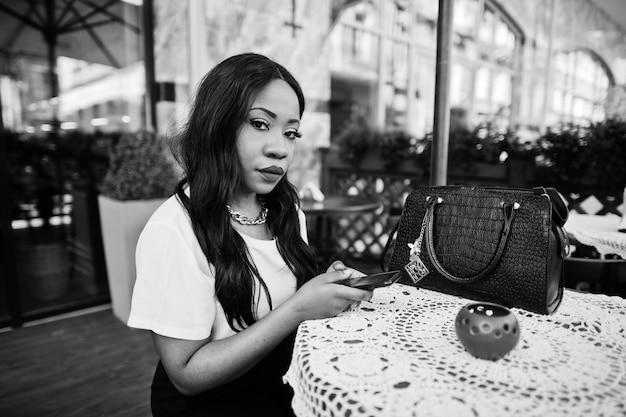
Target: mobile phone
369	282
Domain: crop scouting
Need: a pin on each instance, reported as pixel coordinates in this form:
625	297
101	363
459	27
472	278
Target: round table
398	355
340	204
320	216
601	232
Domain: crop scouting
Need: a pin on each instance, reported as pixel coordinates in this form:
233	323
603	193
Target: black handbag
499	245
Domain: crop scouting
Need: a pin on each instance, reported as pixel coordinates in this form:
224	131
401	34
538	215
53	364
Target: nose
276	146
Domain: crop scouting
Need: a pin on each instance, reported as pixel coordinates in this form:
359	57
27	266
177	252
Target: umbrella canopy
97	31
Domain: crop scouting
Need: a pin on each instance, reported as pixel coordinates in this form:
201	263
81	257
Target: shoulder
169	218
175	285
170	211
168	237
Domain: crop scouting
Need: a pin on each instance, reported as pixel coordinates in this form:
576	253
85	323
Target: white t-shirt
174	293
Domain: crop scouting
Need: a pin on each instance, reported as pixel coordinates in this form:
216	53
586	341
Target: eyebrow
273	115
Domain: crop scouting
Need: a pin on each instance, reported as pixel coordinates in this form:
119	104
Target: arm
195	366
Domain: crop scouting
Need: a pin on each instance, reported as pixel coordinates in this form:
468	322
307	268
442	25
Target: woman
224	273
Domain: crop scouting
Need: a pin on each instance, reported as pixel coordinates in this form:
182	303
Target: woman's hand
195	366
340	266
323	296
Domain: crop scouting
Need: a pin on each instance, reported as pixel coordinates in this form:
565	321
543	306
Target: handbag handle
560	212
509	214
387	246
559	217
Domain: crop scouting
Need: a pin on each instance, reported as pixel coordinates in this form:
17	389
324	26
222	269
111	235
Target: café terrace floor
89	364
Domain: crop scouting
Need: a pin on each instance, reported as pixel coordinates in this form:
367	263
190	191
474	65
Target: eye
260	124
293	134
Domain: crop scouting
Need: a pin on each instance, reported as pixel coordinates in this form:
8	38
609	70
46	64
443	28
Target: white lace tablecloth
600	232
398	355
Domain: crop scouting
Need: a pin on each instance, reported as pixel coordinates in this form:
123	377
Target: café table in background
598	251
398	355
600	232
321	215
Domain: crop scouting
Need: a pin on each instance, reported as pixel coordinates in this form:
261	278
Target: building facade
515	65
524	65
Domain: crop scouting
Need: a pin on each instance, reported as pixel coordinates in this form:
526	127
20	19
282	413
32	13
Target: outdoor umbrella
441	123
97	31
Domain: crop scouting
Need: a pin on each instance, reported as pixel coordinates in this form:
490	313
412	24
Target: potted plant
585	162
393	150
140	177
355	140
478	155
590	157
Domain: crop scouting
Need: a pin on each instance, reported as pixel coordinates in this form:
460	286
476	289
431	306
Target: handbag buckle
516	205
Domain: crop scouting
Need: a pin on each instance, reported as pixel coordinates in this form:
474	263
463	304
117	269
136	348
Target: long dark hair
206	149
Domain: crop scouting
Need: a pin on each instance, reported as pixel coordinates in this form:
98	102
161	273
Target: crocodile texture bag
490	244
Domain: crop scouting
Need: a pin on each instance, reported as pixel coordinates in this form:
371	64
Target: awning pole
148	59
441	123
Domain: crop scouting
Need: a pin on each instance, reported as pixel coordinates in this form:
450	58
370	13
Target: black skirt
260	391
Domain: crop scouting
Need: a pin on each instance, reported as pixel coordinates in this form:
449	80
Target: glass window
464	23
401	18
485	28
396	77
501	89
483	84
484	65
580	87
354	41
489	52
557	101
464	20
460	86
425	28
60	124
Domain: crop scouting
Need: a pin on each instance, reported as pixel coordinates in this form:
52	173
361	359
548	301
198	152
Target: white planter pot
122	223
